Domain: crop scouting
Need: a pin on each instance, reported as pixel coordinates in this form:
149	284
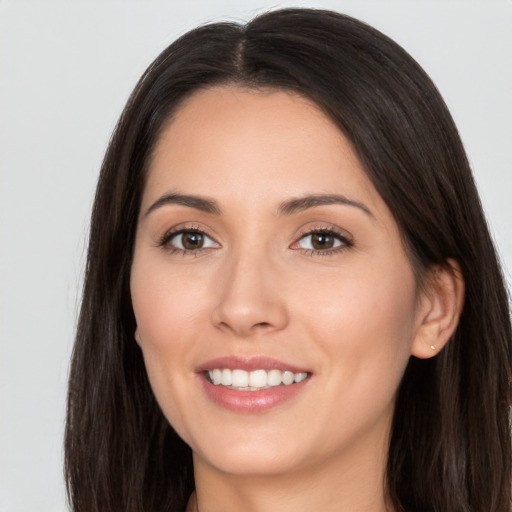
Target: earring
432	347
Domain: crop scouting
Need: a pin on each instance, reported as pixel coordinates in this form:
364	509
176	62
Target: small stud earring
432	347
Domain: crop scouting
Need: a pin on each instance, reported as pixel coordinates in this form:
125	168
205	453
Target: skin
352	315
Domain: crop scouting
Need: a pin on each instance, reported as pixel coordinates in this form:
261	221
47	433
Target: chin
246	462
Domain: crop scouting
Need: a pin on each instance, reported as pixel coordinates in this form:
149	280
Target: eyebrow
196	202
286	208
304	203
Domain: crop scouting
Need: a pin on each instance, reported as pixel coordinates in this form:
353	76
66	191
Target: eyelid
165	239
342	235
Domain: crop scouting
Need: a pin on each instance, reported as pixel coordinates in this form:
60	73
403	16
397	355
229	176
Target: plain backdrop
66	69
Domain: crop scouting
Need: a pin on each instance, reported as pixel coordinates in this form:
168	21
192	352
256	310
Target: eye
188	240
323	241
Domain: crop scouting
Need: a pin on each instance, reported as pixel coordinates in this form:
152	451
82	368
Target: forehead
268	145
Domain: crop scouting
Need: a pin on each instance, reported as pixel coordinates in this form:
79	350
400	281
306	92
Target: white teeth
288	378
257	379
299	377
226	379
216	376
274	378
240	378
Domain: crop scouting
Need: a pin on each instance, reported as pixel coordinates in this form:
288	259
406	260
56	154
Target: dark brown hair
450	449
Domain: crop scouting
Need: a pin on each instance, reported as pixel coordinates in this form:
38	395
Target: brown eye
190	240
322	241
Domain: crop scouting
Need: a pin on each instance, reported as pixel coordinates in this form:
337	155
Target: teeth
216	376
226	379
240	378
274	378
257	379
299	377
288	378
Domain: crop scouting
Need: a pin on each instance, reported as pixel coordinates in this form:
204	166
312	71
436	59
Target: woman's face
264	255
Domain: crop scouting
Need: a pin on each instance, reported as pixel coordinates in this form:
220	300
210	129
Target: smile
252	384
253	380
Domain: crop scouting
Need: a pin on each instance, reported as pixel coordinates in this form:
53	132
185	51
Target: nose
250	298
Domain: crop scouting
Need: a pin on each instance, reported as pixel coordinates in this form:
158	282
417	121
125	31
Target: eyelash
346	242
169	235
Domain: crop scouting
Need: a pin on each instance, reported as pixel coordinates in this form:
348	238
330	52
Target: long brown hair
450	448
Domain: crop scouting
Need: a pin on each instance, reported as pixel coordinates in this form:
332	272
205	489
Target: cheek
165	314
365	321
165	304
363	327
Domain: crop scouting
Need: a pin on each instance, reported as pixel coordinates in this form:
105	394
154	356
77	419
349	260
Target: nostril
262	324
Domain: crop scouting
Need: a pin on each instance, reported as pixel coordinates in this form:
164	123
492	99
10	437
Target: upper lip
249	364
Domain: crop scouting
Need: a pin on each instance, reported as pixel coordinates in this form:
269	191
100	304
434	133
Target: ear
439	309
137	336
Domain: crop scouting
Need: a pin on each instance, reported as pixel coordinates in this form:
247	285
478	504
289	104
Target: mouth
253	384
255	380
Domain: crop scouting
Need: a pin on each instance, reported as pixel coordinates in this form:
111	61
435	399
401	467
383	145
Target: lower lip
251	401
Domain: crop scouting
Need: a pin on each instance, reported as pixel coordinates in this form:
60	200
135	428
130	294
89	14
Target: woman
292	298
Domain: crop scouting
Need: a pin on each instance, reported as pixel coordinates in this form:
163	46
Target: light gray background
66	69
